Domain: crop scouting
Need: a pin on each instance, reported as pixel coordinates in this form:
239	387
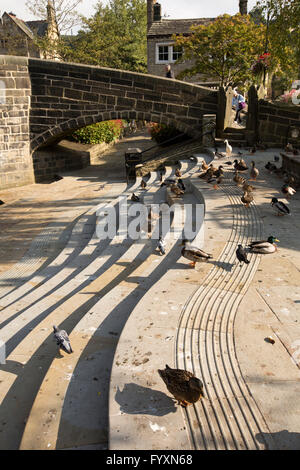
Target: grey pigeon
241	255
161	246
62	339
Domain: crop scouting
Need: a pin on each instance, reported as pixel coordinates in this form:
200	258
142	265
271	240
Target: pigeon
241	255
62	340
161	246
280	207
276	158
228	148
135	198
143	184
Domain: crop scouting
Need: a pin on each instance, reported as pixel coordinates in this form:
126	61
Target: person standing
238	102
169	72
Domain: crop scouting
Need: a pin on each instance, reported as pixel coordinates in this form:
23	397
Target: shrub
106	131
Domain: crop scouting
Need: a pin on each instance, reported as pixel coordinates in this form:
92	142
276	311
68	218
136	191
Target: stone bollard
209	130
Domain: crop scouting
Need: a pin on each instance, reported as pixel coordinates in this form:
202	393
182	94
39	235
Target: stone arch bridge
42	101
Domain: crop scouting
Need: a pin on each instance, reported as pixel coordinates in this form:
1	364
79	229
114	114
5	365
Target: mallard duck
280	207
216	181
241	255
288	191
248	187
289	148
289	179
271	167
254	172
143	184
264	246
135	198
177	191
219	154
193	253
178	173
168	182
183	385
180	184
247	198
238	179
205	166
228	148
240	165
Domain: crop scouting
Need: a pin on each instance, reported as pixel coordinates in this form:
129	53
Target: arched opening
58	153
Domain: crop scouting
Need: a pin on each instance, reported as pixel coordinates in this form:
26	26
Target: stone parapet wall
15	162
67	96
276	121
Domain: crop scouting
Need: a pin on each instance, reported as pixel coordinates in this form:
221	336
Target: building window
167	53
3	43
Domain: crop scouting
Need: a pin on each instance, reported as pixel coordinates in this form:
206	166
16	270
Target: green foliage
225	48
283	35
101	132
114	37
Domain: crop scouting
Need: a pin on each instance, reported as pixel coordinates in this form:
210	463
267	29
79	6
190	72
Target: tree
65	10
283	40
114	37
226	48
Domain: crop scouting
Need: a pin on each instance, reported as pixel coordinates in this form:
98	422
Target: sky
172	8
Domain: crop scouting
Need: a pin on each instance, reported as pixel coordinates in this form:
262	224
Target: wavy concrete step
141	415
26	334
61	286
43	249
79	237
89	334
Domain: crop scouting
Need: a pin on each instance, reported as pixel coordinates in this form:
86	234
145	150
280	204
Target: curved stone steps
26	339
228	418
59	288
81	234
89	334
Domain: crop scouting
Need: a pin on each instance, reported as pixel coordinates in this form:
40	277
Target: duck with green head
264	246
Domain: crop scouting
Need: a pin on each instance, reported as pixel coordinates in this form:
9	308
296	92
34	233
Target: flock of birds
182	384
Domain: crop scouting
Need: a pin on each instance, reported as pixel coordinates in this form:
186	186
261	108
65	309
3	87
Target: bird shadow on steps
223	265
135	399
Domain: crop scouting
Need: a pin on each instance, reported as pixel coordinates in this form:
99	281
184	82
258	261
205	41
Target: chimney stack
150	5
243	7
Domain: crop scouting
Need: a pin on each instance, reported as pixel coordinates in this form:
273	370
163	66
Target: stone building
160	45
18	37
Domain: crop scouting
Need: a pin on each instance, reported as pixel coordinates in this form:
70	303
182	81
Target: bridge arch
66	97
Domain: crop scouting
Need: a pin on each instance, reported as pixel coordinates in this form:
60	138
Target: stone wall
66	97
276	121
16	167
52	160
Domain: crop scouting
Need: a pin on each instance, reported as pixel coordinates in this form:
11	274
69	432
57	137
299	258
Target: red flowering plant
262	63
